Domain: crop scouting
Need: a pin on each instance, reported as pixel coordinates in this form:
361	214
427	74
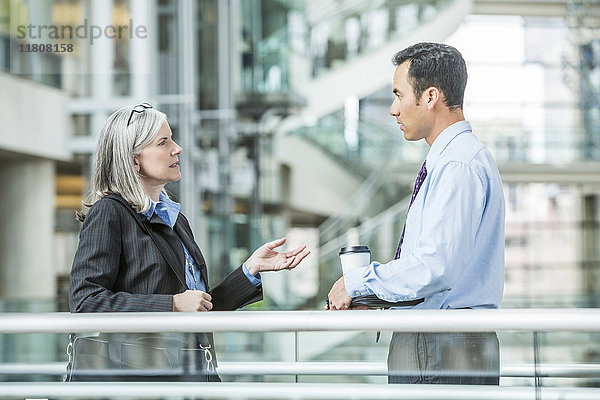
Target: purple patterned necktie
418	183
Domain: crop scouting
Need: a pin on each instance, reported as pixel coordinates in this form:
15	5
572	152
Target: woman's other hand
192	300
265	258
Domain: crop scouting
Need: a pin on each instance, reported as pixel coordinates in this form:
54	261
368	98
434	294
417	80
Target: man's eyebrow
395	91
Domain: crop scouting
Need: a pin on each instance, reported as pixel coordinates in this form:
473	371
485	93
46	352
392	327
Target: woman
137	254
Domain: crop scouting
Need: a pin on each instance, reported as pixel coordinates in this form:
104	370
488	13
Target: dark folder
372	301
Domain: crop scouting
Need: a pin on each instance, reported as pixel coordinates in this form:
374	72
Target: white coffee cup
354	257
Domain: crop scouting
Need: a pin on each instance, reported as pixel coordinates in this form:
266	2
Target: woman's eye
162	142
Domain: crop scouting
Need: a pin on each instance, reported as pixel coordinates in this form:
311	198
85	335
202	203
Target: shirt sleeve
255	280
454	201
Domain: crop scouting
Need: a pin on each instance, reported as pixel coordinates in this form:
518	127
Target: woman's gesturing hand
265	258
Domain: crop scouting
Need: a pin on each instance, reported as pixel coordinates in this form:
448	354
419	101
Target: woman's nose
177	150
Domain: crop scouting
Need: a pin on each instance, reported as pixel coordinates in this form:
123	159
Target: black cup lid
354	249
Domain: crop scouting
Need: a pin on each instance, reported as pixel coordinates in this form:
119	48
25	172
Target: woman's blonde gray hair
114	170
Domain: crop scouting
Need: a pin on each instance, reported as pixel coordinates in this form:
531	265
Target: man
451	251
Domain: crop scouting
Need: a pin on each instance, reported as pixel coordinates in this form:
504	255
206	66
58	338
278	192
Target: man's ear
431	96
136	163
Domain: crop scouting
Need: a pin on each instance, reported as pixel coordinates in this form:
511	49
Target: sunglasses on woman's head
140	108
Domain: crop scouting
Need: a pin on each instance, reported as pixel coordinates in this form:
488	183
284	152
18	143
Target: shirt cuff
255	280
354	281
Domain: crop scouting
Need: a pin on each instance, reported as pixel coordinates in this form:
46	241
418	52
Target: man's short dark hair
436	65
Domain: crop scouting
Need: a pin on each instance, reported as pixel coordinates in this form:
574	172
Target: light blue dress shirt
453	250
168	211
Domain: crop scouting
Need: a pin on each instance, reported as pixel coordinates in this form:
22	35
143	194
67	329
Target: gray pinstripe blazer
126	263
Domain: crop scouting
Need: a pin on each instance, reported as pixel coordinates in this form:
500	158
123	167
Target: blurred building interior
281	108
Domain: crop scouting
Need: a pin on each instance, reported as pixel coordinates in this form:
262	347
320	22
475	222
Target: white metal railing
547	320
349	368
288	391
569	320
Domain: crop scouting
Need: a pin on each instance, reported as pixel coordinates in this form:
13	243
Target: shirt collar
442	141
172	207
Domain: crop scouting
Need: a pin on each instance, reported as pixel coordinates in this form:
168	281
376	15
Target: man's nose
394	111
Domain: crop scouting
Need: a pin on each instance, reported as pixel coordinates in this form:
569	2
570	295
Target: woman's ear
136	164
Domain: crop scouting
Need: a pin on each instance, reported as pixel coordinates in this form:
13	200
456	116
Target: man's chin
411	137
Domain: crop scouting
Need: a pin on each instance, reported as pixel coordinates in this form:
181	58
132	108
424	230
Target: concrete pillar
226	140
591	250
102	60
141	50
27	229
191	201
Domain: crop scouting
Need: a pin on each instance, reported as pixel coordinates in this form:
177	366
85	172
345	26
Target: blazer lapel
168	244
163	237
187	238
